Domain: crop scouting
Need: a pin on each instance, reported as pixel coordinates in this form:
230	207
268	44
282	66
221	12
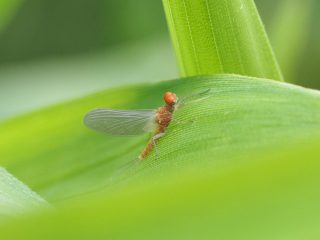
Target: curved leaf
246	168
60	158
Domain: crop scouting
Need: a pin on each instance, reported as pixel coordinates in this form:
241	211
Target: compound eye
170	98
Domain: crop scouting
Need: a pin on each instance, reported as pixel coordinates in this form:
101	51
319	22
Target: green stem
220	36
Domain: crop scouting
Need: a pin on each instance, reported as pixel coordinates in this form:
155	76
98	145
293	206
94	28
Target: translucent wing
196	97
120	122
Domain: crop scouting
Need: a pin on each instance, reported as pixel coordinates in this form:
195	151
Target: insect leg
154	138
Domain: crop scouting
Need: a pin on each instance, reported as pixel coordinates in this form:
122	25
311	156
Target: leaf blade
240	113
213	37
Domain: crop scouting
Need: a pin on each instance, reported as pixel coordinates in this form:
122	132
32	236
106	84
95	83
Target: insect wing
120	122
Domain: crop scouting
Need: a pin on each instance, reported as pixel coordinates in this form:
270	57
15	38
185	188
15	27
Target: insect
135	122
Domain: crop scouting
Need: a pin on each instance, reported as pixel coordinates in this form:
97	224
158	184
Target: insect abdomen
147	150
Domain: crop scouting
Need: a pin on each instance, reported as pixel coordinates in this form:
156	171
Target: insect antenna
196	97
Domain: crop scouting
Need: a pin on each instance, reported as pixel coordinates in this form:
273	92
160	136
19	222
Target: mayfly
135	122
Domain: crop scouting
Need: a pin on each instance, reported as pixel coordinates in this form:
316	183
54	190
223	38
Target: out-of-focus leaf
309	71
303	68
56	28
289	33
218	36
15	197
272	195
28	86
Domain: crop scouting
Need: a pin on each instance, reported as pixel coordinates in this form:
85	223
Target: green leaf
229	169
69	30
15	197
218	36
289	34
241	114
104	69
271	195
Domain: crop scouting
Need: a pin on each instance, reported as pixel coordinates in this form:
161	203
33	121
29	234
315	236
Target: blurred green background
53	50
56	50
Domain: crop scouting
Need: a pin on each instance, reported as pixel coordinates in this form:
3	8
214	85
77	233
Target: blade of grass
218	36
